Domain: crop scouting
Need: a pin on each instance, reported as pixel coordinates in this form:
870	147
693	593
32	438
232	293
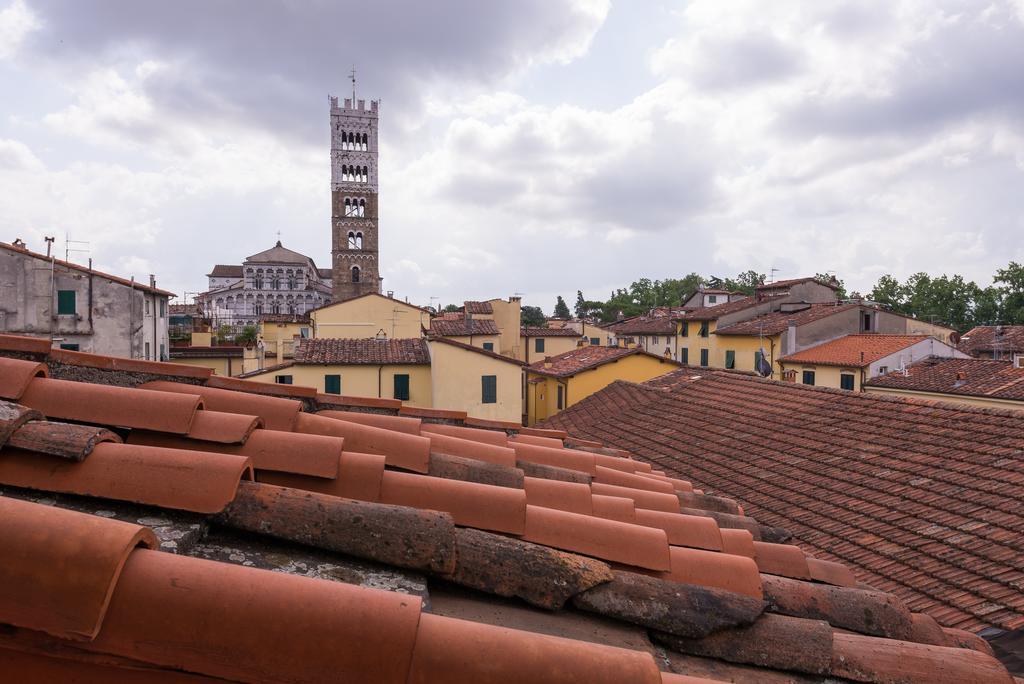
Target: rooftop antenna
771	274
68	249
353	76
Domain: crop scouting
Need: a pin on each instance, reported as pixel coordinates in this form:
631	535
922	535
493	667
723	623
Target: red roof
855	351
225	271
86	269
795	281
646	325
964	377
541	560
478	307
778	321
713	313
585	358
362	351
463	327
477	350
918	497
1005	339
548	332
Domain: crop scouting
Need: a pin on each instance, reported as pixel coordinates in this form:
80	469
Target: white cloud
16	22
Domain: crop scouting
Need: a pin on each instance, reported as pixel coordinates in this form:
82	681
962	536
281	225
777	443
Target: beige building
986	383
536	343
369	316
850	361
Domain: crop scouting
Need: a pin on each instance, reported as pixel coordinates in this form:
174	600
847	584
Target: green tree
451	308
888	292
829	278
1012	293
745	282
561	309
532	316
580	307
223	333
247	337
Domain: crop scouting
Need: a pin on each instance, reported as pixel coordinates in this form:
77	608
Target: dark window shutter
704	357
808	377
332	384
685	358
730	359
489	384
66	302
846	381
402	387
538	345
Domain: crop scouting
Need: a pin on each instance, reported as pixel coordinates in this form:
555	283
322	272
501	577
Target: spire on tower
353	76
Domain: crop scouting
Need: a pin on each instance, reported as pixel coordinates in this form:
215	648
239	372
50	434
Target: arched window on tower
351	240
258	280
349	207
355	274
359	240
366	142
366	174
362	208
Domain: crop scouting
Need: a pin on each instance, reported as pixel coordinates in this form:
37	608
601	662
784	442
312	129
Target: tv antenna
68	249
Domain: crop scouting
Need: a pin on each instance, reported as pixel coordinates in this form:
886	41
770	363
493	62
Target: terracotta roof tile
962	377
778	321
548	332
645	325
713	313
370	352
1006	339
277	414
584	358
476	350
225	271
463	327
911	494
795	281
478	308
854	351
113	363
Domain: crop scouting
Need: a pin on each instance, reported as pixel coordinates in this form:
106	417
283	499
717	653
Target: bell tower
354	268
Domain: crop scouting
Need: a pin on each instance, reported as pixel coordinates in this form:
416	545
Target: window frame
730	359
843	382
488	389
705	357
284	379
705	329
400	386
70	346
332	379
560	397
808	374
488	346
684	356
62	302
538	345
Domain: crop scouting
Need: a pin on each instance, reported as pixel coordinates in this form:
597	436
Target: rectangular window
70	346
882	370
712	299
597	341
304	333
561	397
402	387
846	381
147	306
489	346
655	340
66	302
163	308
685	358
163	352
704	357
147	351
684	330
489	386
808	377
332	384
283	379
538	345
730	358
703	328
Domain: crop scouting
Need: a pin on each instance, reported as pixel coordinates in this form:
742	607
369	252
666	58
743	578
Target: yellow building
224	359
278	333
367	316
536	343
492	325
850	361
557	382
481	333
420	372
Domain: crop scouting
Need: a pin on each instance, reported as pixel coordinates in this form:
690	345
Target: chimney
790	336
152	280
961	375
391	294
547	362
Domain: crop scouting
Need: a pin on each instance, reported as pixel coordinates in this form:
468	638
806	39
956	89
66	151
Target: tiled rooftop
713	313
362	351
965	377
584	358
854	351
463	327
226	271
646	325
478	308
1005	339
778	284
918	498
778	321
402	551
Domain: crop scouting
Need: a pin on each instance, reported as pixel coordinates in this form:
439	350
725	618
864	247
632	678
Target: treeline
949	300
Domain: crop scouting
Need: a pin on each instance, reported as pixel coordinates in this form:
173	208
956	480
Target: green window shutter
66	302
69	346
704	357
808	377
730	359
489	346
332	384
596	341
704	329
685	358
561	397
684	329
402	387
538	345
757	361
489	384
283	379
846	381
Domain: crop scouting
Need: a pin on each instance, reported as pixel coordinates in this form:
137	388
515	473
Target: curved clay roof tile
397	423
712	569
224	428
484	507
539	441
493	437
59	567
738	542
655	501
626	465
277	413
410	452
652	483
786	560
256	625
545	432
171	478
16	375
677	484
643	547
481	451
452	650
564	496
359	477
613	508
286	452
683	530
560	458
831	573
108	405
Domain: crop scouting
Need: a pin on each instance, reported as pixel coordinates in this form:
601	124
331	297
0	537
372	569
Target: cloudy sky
529	146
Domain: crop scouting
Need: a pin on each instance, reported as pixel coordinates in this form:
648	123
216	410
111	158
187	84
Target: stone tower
354	265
